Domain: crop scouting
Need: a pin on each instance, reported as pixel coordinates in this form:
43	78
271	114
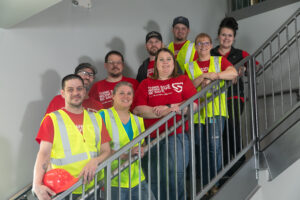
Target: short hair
113	52
174	73
70	77
120	84
229	22
84	66
203	35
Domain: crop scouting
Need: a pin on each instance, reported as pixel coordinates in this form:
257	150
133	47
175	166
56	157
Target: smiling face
226	37
153	45
73	93
203	46
114	65
123	97
164	64
180	32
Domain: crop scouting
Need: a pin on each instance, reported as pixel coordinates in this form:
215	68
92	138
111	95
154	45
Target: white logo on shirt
177	87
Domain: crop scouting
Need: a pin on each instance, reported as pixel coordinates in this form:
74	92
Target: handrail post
254	116
192	156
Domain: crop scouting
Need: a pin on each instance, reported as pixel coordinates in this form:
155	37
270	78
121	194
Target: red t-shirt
177	48
102	90
150	69
204	65
152	92
58	102
46	131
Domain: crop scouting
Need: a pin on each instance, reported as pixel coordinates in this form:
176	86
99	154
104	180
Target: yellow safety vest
193	70
119	139
72	150
186	53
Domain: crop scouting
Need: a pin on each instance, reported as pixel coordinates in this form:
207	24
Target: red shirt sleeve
104	134
46	131
140	97
245	54
225	63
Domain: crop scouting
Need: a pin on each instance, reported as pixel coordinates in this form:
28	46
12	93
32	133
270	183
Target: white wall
37	53
284	186
253	31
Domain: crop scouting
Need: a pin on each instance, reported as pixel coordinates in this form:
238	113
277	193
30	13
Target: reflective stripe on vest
69	158
96	128
189	52
115	130
217	66
191	68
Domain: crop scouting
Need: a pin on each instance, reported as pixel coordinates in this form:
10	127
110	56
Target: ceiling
13	12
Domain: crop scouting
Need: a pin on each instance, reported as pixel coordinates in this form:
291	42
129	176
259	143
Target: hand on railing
89	171
241	72
42	192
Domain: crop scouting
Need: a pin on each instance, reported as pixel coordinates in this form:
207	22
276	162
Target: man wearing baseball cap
87	72
153	44
183	49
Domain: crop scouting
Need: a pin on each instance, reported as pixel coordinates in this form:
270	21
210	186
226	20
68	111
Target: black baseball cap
181	20
83	66
153	34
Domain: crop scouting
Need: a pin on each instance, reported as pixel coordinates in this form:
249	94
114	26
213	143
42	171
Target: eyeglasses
84	73
114	63
203	44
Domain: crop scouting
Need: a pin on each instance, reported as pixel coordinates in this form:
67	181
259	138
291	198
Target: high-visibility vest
193	70
186	53
72	150
119	139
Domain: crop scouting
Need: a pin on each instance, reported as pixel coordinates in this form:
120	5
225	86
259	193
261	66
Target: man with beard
72	139
87	72
183	49
153	44
102	90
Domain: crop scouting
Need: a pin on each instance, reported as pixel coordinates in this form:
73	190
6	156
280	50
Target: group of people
89	121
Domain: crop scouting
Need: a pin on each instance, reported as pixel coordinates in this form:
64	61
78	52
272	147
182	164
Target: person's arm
149	112
229	73
89	171
198	81
40	168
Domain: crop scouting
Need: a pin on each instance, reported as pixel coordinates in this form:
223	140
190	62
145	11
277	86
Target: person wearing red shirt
102	90
73	91
155	98
153	44
87	72
183	49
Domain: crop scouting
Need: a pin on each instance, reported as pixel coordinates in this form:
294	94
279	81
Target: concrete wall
253	31
37	53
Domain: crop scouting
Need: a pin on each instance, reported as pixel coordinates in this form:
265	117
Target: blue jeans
211	134
181	168
134	192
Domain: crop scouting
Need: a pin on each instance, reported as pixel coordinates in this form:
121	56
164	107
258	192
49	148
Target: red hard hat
58	180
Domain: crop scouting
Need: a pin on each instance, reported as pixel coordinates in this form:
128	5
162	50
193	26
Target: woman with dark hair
235	96
155	98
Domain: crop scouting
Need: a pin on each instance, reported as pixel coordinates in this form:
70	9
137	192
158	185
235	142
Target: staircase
269	125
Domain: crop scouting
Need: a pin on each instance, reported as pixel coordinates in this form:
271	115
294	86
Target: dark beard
115	75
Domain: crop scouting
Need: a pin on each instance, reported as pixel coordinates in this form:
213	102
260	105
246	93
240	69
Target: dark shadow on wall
6	167
118	44
34	112
141	51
